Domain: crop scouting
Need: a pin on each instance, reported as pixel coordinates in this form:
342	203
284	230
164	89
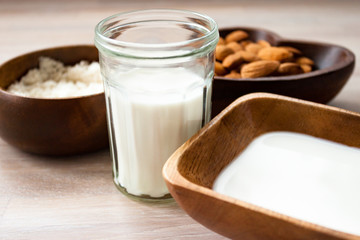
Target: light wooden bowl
51	126
334	65
192	169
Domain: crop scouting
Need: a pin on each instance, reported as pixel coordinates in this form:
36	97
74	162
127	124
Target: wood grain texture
191	171
74	197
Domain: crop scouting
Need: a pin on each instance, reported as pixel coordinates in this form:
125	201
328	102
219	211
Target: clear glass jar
157	67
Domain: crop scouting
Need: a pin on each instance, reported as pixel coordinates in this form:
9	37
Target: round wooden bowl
51	126
191	171
334	65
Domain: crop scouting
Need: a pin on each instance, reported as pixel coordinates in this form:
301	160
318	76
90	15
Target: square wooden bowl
190	172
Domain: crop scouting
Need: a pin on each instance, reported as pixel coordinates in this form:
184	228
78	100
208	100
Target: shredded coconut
54	80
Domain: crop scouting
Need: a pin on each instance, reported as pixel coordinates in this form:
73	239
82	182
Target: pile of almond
237	57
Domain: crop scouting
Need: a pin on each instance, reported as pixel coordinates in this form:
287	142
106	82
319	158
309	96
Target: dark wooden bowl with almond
256	60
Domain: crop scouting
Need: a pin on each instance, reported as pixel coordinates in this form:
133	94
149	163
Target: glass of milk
157	67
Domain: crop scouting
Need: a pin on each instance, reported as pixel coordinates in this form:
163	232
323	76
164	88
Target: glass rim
208	37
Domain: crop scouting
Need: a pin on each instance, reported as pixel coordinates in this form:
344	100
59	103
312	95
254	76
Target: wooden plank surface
74	197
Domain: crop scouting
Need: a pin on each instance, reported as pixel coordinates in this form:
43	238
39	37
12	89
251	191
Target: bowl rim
172	175
350	58
54	48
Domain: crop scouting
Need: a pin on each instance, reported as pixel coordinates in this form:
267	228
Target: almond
304	60
242	66
290	68
259	69
236	36
264	43
222	52
253	48
245	43
274	54
221	41
233	61
236	53
233	74
219	69
306	68
235	46
248	56
293	50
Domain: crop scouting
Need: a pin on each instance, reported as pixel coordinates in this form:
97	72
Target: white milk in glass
154	111
300	176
